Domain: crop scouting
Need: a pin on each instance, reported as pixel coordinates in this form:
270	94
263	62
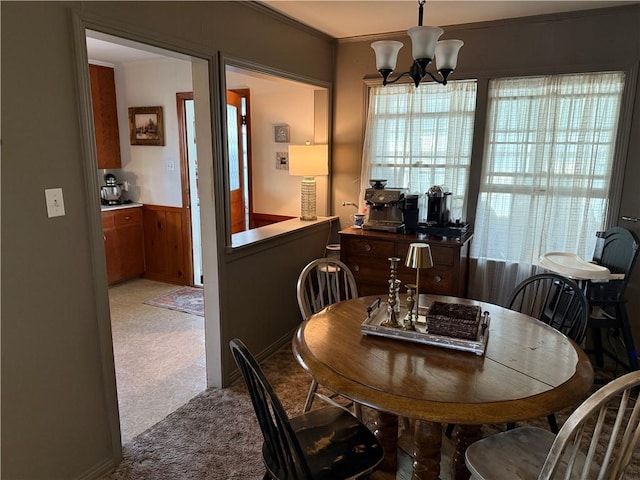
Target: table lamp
418	256
308	161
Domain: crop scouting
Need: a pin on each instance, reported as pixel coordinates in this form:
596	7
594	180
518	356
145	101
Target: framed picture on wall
146	126
281	133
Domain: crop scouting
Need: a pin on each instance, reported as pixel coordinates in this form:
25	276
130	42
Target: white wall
153	172
278	101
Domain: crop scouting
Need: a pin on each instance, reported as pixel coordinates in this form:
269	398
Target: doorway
144	391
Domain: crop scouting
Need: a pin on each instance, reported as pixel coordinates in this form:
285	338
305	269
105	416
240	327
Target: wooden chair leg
553	424
310	396
449	431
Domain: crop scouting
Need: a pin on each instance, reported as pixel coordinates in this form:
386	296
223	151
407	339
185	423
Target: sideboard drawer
368	269
374	248
437	280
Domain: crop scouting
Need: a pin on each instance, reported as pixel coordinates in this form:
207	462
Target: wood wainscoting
262	219
166	245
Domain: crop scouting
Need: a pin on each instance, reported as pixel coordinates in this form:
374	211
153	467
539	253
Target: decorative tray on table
447	325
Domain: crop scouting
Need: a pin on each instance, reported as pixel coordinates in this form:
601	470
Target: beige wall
58	411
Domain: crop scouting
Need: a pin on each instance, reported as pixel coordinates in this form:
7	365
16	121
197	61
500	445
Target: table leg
386	429
463	436
427	443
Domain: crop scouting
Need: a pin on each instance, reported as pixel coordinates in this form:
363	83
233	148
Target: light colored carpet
215	435
159	355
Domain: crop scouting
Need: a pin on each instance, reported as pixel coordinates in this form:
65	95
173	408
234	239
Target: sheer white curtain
549	151
419	137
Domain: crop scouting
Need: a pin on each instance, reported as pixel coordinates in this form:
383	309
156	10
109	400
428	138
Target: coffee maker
438	206
385	207
410	213
438	222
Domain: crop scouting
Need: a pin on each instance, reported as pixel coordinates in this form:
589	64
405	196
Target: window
419	137
549	151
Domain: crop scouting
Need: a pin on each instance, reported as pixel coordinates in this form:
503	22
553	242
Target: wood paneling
165	252
262	219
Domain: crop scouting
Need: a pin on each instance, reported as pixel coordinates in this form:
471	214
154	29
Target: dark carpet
216	436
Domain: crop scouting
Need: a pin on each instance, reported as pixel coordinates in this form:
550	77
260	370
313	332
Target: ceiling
354	18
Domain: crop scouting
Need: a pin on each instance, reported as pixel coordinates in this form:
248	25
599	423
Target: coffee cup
358	220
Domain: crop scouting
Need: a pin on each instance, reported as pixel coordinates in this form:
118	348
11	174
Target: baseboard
99	470
267	352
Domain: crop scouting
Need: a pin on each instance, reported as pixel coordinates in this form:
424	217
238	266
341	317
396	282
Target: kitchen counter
107	208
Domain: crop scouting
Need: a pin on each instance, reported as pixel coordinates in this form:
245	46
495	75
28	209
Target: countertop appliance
438	222
111	191
385	212
438	206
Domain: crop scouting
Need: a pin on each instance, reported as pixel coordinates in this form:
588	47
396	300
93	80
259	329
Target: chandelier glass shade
425	46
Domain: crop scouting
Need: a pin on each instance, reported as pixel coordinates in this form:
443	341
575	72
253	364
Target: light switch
55	202
171	166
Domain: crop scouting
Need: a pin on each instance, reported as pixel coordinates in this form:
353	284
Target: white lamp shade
423	41
308	160
386	54
447	54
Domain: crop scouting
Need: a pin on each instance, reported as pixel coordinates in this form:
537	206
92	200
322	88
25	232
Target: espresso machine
385	207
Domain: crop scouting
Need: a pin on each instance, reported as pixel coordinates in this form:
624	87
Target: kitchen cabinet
167	256
105	116
367	252
123	243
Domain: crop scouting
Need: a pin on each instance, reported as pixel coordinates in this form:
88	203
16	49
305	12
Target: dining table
527	370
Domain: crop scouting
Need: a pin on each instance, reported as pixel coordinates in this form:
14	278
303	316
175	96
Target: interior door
236	163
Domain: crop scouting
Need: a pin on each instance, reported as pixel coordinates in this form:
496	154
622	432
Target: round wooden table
528	370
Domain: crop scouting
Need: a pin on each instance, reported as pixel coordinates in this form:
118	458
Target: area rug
215	435
186	299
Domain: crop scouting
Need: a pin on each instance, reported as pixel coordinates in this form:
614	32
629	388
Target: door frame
246	94
205	78
185	188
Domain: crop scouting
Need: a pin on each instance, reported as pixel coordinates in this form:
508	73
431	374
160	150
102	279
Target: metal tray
376	315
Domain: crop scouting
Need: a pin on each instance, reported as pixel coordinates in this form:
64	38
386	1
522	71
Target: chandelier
425	45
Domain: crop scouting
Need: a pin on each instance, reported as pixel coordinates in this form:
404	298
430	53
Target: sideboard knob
367	247
356	268
437	278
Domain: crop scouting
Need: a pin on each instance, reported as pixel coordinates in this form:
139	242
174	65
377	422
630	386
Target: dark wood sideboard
367	253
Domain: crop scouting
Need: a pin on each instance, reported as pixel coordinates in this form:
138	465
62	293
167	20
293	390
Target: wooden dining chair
328	443
322	282
557	301
597	441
